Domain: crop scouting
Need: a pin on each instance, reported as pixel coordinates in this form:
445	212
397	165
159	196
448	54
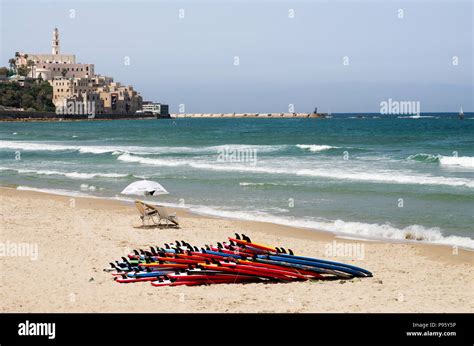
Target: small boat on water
461	114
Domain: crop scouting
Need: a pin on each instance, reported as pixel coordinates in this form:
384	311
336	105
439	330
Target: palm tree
64	72
12	63
30	65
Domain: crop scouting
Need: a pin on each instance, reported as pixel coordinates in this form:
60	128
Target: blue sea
356	175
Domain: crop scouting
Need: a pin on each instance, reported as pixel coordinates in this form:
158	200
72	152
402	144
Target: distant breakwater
250	115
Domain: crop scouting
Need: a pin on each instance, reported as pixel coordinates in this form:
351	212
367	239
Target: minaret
55	43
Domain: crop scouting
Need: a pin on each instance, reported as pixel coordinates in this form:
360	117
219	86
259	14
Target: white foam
389	177
243	183
461	161
315	147
59	192
416	117
394	177
424	157
149	161
100	149
357	229
84	187
73	175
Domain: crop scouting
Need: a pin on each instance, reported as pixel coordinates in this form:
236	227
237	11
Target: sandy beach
77	238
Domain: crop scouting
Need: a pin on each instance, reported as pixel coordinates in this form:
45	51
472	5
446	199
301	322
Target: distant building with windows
76	82
155	108
119	99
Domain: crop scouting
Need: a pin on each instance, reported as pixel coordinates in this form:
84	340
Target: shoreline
53	117
191	213
76	242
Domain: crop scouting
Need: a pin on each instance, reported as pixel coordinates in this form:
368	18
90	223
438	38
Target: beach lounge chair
169	218
154	214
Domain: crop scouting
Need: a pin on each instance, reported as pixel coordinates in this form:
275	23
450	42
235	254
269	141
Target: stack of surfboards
239	260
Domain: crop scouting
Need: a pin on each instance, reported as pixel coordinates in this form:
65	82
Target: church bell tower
55	42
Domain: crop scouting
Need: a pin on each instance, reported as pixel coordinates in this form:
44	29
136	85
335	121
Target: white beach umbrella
145	188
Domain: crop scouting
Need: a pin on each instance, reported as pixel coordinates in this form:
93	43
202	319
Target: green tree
27	101
23	70
64	72
38	96
12	63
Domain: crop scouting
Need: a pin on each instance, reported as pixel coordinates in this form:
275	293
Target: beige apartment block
62	89
120	99
75	89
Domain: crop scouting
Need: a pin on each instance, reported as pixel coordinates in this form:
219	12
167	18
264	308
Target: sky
262	56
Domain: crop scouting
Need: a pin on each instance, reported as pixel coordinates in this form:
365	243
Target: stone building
73	82
119	99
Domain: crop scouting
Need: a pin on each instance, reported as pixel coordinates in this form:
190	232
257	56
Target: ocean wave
213	166
58	192
359	229
376	177
424	157
462	161
416	116
46	146
315	147
389	177
117	150
73	175
149	161
243	183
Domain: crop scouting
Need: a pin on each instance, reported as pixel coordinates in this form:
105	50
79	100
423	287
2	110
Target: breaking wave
376	177
116	150
424	157
73	175
315	147
460	161
243	183
359	229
